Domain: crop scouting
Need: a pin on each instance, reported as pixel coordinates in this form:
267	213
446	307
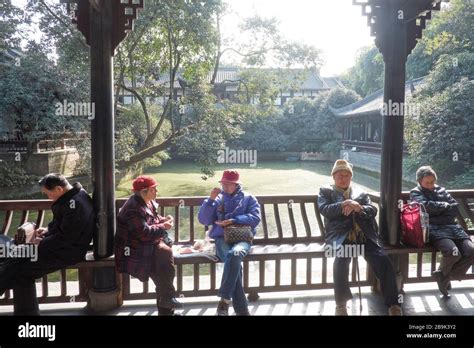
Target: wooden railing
287	253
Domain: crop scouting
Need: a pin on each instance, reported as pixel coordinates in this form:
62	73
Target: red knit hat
231	176
144	182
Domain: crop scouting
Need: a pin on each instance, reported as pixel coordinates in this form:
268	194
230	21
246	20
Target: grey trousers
458	256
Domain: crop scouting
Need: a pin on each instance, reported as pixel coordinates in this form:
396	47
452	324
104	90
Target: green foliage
451	31
14	174
305	125
29	95
464	180
443	132
366	76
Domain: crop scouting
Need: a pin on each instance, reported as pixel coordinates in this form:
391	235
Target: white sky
335	26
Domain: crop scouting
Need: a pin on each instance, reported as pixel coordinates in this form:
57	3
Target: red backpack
414	223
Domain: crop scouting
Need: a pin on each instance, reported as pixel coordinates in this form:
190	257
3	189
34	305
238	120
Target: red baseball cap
143	182
231	176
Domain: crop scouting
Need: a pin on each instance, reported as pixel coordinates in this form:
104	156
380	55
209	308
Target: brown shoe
395	310
341	309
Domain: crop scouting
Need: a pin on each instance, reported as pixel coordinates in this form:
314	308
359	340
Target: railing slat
191	222
320	221
24	216
304	215
277	272
264	221
277	220
40	218
324	271
179	278
261	273
293	271
44	285
196	276
176	220
7	222
419	264
292	219
213	276
309	271
63	282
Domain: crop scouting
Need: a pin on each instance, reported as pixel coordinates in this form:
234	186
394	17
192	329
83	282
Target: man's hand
168	225
224	223
39	232
214	193
37	240
349	206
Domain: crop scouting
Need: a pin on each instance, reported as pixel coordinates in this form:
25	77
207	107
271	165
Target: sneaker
395	310
341	309
222	308
443	282
171	303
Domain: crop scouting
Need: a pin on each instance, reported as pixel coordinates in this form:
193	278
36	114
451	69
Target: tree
442	133
10	19
30	92
450	31
366	76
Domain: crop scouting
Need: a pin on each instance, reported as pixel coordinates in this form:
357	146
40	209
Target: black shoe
171	303
222	308
443	282
242	314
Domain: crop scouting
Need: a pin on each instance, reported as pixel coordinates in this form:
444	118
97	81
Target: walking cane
358	284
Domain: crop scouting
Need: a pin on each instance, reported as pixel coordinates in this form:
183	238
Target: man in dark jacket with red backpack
63	243
142	244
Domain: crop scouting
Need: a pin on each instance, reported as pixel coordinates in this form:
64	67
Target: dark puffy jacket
70	232
338	225
442	209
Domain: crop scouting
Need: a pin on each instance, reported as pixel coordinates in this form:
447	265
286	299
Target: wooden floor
420	299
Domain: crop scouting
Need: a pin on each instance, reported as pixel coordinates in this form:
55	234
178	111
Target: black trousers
382	267
20	275
163	275
458	256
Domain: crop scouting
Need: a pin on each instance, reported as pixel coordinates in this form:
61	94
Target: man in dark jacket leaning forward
349	219
63	243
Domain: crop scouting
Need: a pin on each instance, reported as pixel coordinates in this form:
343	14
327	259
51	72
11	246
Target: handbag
238	233
415	225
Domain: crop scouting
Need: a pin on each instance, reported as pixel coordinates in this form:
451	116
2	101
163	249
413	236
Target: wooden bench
287	254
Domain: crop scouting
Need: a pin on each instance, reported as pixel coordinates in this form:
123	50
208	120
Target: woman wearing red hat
226	206
142	245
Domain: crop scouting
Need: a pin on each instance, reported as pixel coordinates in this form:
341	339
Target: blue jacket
243	208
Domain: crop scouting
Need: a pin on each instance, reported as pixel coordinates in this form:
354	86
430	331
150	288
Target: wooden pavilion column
396	25
104	24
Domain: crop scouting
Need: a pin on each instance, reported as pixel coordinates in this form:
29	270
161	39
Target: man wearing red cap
142	245
226	206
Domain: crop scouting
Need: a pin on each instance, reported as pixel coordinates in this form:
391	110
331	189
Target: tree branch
78	38
142	103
